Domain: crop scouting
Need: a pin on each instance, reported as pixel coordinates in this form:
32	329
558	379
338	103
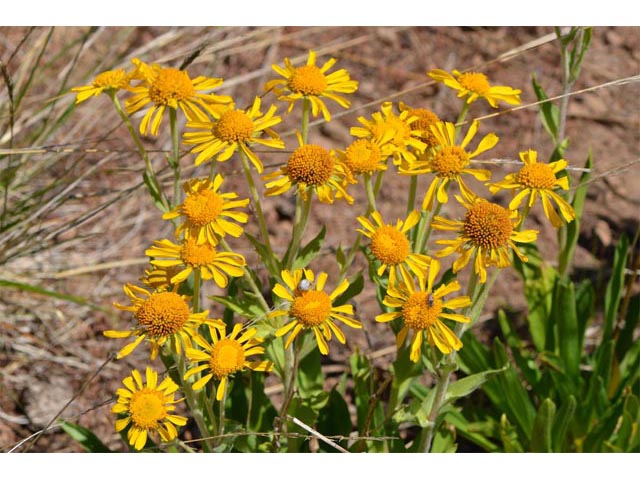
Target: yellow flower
312	82
190	256
538	179
426	118
106	81
473	85
206	212
232	129
390	246
450	161
401	130
147	408
366	155
161	316
158	278
309	307
225	356
422	311
311	167
169	87
487	232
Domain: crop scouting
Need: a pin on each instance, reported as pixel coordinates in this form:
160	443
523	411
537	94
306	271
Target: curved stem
174	160
255	198
461	117
371	196
306	112
142	152
303	207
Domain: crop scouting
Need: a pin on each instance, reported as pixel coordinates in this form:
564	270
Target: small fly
304	285
430	299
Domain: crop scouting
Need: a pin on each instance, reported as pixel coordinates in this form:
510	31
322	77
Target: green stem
174	160
371	196
248	278
461	117
197	280
442	384
306	113
425	228
141	151
255	198
221	413
303	207
411	201
290	373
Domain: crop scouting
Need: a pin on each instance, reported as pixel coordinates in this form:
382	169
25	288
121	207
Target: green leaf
509	436
567	249
310	379
356	284
584	307
565	317
549	113
340	257
541	433
577	55
615	287
310	250
562	422
85	437
477	432
466	385
271	262
154	190
25	287
334	419
247	305
632	320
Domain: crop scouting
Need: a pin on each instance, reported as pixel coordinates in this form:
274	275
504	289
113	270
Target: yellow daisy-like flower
390	246
225	356
206	212
191	256
169	87
474	85
161	316
367	155
234	129
309	307
422	311
426	118
147	408
488	232
312	82
450	161
405	137
311	168
538	179
106	81
159	278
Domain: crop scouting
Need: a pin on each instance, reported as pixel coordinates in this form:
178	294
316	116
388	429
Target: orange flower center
310	164
488	225
227	357
362	156
475	82
147	408
111	79
426	118
537	175
421	310
311	308
389	245
196	255
450	161
307	80
234	126
163	314
171	85
203	207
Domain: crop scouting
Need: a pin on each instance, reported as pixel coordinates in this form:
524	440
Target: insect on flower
430	300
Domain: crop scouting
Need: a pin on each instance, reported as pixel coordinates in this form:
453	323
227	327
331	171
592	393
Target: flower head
109	81
400	130
538	179
390	246
207	212
309	307
313	83
422	310
474	85
426	118
225	356
166	87
147	408
450	161
488	232
234	129
311	167
161	316
199	257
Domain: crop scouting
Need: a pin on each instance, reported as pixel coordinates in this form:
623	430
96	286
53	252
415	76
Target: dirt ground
49	348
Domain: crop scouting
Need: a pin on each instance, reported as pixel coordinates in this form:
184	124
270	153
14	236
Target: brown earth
49	348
